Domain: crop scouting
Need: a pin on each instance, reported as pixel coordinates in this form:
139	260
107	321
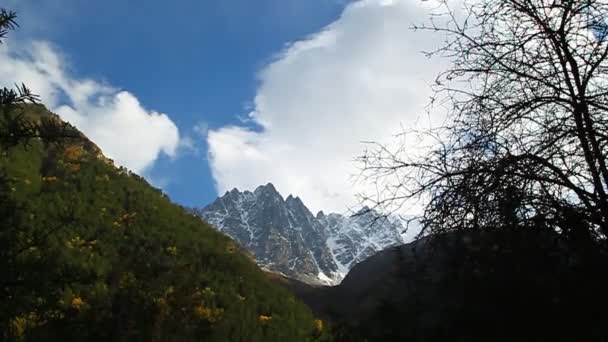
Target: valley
156	179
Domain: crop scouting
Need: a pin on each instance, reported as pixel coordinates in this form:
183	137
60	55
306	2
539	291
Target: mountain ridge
285	236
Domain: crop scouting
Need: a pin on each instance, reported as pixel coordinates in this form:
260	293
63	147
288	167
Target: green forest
92	252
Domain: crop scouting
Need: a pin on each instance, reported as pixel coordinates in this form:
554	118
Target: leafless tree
526	138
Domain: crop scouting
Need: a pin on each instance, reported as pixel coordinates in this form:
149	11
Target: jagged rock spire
286	237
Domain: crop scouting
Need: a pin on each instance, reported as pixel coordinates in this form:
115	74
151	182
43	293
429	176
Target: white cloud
362	78
114	119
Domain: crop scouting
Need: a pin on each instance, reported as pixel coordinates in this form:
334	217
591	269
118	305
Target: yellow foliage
171	250
50	179
169	290
74	167
77	302
211	315
207	292
318	325
264	318
125	218
78	242
19	326
104	178
73	152
161	302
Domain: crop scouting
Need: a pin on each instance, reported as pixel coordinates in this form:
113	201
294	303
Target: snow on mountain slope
353	239
285	237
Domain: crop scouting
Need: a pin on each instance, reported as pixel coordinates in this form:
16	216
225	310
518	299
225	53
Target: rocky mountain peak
285	237
297	204
267	189
365	210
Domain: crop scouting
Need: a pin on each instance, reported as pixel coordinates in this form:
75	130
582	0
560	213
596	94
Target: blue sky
197	60
203	96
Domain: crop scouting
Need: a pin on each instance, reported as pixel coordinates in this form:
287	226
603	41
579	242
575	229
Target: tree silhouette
526	138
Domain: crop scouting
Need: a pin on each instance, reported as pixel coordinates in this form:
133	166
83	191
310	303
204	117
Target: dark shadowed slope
500	286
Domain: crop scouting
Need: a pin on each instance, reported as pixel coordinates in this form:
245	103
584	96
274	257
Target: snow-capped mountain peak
285	237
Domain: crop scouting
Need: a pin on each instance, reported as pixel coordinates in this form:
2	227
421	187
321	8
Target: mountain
511	285
92	252
285	237
352	239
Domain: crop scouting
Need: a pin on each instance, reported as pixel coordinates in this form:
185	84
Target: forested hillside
89	251
509	285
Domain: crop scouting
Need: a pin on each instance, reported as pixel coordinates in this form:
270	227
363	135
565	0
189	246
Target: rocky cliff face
355	238
284	236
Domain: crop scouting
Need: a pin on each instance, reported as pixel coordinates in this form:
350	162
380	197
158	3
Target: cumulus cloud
114	119
362	78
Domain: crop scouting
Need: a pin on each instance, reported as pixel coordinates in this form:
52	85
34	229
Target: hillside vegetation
89	251
518	285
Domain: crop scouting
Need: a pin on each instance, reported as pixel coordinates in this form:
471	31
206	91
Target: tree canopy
525	141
